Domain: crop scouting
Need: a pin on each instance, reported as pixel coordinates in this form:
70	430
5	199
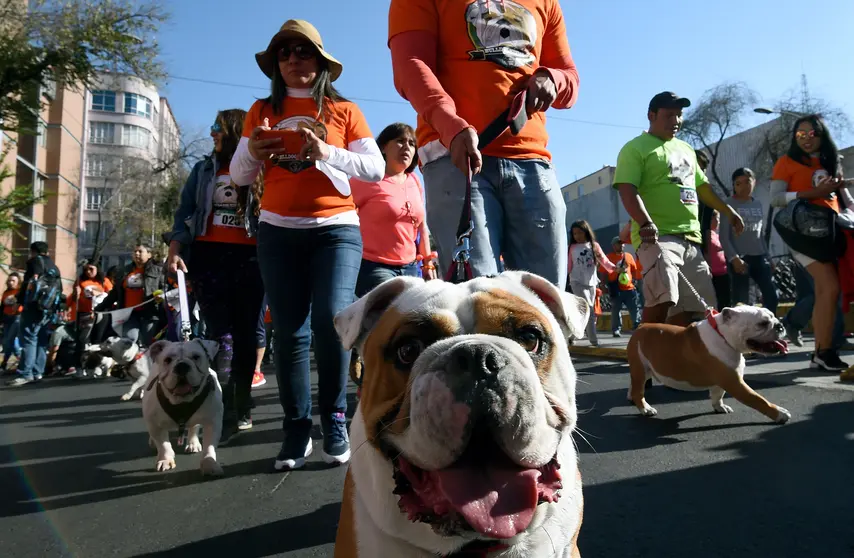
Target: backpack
45	290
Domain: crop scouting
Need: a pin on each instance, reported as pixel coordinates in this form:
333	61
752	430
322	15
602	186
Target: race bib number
688	196
223	218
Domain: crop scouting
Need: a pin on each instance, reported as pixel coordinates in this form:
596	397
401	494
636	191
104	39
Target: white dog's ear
157	348
211	348
355	321
572	312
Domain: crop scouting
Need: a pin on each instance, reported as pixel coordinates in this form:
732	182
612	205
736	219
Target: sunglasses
801	134
303	52
216	128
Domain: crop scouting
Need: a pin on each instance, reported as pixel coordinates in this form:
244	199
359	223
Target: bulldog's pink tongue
497	500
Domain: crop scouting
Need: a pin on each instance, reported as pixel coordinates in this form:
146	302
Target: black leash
514	117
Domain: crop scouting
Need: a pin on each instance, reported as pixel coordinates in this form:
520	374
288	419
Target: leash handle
186	325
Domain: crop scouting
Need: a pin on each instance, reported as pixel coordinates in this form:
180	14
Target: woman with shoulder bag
310	141
811	171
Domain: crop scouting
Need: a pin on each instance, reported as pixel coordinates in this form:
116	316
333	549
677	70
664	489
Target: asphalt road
76	478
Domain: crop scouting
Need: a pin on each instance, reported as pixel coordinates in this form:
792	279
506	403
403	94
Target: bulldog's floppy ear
572	312
157	348
355	321
211	348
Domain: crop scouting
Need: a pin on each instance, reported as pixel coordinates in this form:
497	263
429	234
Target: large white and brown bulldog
463	435
707	356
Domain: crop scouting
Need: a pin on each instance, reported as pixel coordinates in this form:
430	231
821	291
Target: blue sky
625	50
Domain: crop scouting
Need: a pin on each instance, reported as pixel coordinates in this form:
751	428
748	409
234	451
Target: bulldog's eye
407	352
530	339
196	357
167	360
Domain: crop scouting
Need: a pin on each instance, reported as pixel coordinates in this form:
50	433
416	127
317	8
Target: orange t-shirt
631	266
802	178
294	188
134	286
10	302
597	305
224	225
486	52
89	290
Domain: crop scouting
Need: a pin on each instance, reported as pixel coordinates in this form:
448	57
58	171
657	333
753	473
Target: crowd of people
298	210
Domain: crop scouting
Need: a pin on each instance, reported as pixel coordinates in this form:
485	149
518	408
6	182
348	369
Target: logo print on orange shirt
505	36
290	161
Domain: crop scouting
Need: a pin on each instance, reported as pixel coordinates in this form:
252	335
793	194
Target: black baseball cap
668	99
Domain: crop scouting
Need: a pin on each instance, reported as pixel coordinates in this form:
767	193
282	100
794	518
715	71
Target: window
580	190
38	186
90	228
49	90
39	233
42	131
102	132
104	100
136	136
99	165
137	104
600	180
96	198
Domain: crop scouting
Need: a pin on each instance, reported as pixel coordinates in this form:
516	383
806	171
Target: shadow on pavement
271	539
786	493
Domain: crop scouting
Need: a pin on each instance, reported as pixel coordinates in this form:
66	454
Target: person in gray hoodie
747	254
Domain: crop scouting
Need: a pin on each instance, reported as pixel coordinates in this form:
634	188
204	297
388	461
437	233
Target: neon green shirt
666	175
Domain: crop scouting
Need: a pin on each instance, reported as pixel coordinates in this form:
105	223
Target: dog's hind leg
193	444
211	432
165	453
716	394
639	372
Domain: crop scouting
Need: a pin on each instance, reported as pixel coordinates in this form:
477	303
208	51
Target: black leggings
227	284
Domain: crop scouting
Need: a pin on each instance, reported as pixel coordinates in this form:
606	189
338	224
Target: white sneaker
18	382
288	462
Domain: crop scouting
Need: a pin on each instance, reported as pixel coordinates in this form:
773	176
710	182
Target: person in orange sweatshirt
460	64
11	319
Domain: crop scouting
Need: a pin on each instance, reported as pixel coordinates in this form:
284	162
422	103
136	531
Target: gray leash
663	255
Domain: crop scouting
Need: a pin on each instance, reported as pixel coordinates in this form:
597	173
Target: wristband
428	266
430	257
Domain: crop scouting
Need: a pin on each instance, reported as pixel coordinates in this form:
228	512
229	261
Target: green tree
45	42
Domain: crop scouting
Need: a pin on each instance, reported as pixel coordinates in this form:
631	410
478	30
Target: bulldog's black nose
476	359
778	327
182	369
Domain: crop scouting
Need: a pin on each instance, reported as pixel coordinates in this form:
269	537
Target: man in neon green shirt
660	184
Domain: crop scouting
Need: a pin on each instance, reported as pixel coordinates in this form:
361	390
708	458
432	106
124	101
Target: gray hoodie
750	242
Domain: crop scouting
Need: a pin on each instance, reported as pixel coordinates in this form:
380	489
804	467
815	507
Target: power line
390	102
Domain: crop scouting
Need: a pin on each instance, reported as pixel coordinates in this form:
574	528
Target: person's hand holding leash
541	92
464	152
648	233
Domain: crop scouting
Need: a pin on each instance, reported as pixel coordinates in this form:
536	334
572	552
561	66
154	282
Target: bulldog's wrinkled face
470	392
182	368
123	350
751	329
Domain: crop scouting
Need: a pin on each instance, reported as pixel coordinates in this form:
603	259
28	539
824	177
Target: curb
610	353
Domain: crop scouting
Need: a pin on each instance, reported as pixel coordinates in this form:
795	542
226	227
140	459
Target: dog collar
139	355
182	412
478	549
712	316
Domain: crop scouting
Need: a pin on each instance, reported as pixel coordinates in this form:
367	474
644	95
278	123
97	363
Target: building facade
594	199
47	157
132	135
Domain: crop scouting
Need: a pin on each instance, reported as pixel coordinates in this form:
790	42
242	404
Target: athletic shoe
258	379
336	444
18	382
244	423
296	447
828	359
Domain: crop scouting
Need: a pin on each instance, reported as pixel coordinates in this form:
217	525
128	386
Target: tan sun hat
296	29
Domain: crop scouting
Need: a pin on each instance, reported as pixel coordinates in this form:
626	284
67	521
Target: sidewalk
795	365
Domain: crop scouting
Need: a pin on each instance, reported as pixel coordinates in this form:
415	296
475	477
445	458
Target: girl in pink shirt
391	215
717	262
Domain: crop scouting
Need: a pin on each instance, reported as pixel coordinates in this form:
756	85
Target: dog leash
186	325
514	117
709	310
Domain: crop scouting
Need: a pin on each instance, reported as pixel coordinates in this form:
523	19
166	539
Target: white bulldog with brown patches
707	356
463	435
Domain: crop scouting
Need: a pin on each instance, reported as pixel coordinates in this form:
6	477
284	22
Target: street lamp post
763	110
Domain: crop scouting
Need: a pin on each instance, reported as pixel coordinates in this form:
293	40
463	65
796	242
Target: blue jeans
517	211
309	277
373	274
758	269
11	325
34	344
801	313
629	299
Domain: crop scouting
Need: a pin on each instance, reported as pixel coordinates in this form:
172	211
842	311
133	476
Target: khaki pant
662	262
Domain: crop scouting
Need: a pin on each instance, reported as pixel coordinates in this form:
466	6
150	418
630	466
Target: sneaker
244	423
258	379
828	359
18	382
296	447
336	444
617	334
794	335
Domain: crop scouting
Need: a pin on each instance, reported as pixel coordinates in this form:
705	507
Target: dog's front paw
165	465
210	467
141	393
193	446
722	409
783	416
127	396
649	411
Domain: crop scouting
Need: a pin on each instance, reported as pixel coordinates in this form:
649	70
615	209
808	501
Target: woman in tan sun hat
310	141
